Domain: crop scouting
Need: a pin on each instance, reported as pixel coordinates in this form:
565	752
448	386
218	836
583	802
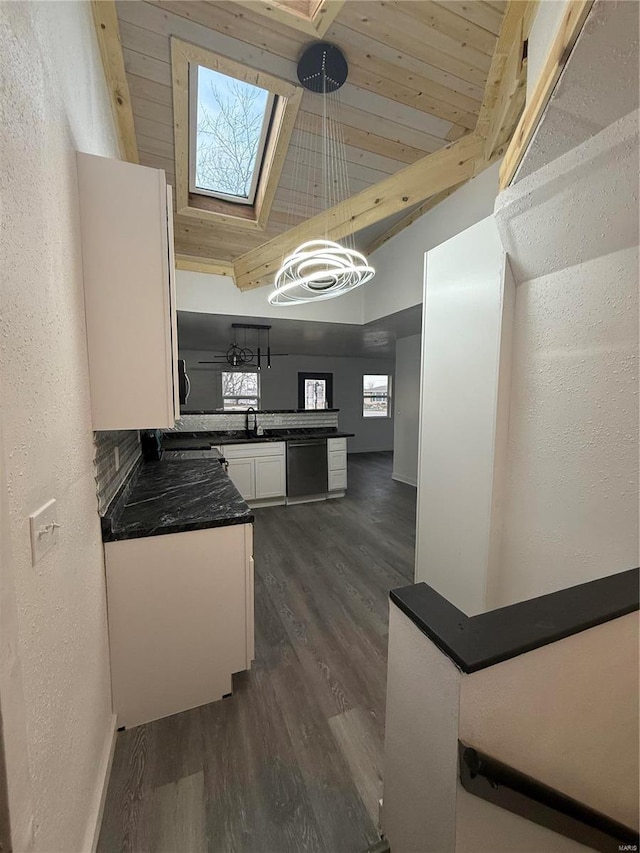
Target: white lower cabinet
337	464
243	475
271	481
180	610
258	470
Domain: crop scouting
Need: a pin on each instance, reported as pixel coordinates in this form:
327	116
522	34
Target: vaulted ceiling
424	77
417	71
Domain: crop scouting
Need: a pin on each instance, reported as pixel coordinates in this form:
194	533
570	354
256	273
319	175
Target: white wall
399	263
468	317
406	409
279	388
217	294
571	503
420	742
565	713
55	687
571	492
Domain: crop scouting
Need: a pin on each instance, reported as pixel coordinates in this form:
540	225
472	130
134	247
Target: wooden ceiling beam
430	179
415	183
105	19
193	263
410	218
505	88
571	24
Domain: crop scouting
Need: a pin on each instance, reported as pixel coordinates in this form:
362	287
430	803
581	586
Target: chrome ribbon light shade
319	269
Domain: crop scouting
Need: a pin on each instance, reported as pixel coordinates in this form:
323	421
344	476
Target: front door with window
315	390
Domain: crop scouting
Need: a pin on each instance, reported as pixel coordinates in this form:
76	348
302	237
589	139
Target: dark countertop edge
477	642
174	437
263	412
177	528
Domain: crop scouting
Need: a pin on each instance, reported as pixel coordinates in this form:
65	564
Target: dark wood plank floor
292	761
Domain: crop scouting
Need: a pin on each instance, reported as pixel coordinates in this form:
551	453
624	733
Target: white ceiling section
197	331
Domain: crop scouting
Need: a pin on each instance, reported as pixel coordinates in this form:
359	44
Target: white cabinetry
180	619
127	249
270	476
243	474
337	462
257	469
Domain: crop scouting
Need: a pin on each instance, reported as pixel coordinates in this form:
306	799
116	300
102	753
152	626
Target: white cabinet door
180	612
270	477
242	474
127	258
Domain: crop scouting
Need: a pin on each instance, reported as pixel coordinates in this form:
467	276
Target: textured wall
571	504
55	663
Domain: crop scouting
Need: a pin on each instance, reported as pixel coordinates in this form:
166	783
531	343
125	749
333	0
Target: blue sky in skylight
230	116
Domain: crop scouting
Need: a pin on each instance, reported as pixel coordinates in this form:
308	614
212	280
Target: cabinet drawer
337	444
337	460
254	449
337	480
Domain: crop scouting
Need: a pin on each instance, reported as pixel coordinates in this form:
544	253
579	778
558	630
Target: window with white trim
240	389
229	122
376	395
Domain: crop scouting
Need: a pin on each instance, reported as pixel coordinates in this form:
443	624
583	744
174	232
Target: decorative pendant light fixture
322	268
244	356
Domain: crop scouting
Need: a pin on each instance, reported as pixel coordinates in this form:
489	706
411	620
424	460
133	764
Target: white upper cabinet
129	281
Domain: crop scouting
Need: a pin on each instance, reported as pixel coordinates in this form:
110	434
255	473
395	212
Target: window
240	390
231	119
315	390
375	396
232	127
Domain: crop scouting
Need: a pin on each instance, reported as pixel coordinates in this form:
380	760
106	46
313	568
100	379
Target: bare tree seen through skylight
230	116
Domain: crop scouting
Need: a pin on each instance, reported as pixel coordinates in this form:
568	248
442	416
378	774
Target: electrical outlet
44	530
116	458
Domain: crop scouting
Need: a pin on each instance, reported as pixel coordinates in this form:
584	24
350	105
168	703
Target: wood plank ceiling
417	72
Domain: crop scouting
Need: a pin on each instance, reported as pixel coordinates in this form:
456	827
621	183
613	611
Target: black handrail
504	786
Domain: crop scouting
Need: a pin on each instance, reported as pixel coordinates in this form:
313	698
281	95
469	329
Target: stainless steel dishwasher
307	467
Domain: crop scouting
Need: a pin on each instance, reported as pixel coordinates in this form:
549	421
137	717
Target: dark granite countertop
204	440
174	496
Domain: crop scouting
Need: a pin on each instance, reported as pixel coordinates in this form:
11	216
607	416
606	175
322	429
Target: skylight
231	120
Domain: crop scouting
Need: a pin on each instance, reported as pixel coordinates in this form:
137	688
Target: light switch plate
44	530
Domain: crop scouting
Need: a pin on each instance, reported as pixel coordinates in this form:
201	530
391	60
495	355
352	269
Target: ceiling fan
244	356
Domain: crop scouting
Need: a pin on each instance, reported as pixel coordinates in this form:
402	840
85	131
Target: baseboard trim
404	480
105	775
